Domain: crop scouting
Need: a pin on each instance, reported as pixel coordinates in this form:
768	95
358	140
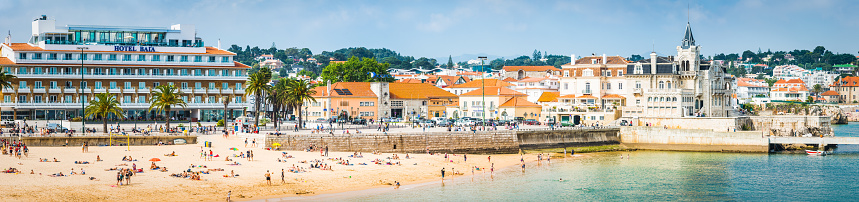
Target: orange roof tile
829	93
568	96
409	80
493	91
28	47
417	91
612	96
518	102
536	79
468	73
477	83
586	97
611	60
530	68
356	89
850	81
509	79
549	97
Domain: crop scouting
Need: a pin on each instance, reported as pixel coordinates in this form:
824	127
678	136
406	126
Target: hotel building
60	69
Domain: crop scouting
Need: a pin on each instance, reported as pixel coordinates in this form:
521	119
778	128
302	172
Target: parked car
359	121
321	120
531	122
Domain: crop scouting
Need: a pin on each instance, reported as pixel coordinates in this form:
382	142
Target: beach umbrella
233	148
275	144
154	159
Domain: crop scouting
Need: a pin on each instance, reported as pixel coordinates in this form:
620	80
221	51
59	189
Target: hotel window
126	99
141	85
198	58
52	84
156	58
69	85
113	85
7	99
225	86
183	58
84	85
52	56
141	99
37	70
170	83
239	73
98	85
170	72
37	99
225	59
184	85
198	99
83	99
141	71
638	69
83	57
22	84
8	70
211	58
587	72
67	56
96	57
212	72
22	99
608	86
198	85
212	99
366	104
608	73
171	58
225	72
566	73
156	84
619	72
156	71
111	57
126	57
198	72
620	86
183	72
128	85
661	84
37	56
68	99
238	86
52	99
22	56
211	85
52	70
96	71
638	84
238	99
185	98
141	57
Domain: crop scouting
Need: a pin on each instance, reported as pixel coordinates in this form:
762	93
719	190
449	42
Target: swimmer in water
560	179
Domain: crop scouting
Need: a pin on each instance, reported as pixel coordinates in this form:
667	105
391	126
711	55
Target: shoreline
357	192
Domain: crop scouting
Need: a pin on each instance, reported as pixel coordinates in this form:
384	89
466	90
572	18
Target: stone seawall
459	142
101	140
658	138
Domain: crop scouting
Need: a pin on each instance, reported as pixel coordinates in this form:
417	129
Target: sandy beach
152	185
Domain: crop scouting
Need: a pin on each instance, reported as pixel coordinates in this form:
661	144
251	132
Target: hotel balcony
587	92
636	90
129	76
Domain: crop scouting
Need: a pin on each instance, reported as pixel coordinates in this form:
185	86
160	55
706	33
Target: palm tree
299	92
277	97
165	98
104	104
257	85
226	101
5	80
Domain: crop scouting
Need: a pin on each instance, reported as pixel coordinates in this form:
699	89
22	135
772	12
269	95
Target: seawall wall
658	138
101	140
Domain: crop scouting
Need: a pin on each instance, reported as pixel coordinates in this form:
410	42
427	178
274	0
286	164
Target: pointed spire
688	40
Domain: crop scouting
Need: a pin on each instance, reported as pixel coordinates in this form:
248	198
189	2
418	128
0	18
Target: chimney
603	58
573	59
219	43
9	38
329	89
652	62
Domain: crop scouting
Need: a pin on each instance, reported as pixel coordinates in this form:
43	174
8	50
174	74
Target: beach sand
159	186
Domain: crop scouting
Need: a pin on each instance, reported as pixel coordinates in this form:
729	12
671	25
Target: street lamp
80	93
483	83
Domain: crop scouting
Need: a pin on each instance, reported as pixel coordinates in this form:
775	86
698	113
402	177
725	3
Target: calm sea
659	176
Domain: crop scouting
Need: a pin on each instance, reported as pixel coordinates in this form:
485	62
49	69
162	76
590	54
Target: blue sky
490	27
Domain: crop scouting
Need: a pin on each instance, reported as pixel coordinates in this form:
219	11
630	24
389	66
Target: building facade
60	69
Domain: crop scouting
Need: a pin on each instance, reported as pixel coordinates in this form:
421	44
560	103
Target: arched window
674	99
661	84
668	84
521	74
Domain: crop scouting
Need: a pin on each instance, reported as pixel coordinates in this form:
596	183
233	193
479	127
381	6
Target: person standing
326	150
246	142
228	195
282	181
268	177
128	174
442	174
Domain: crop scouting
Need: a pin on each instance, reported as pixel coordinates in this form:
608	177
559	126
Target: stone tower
688	54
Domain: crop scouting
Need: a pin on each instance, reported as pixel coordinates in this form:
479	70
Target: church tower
688	54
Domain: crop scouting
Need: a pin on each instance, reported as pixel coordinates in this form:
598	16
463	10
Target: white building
748	88
535	87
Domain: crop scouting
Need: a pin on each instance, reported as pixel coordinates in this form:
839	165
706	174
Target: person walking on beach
252	155
228	195
489	158
248	156
246	142
254	143
442	174
268	177
326	150
282	181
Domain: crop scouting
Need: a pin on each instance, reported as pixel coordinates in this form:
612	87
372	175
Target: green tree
817	88
226	101
163	99
6	81
299	92
277	97
257	85
103	105
354	70
449	62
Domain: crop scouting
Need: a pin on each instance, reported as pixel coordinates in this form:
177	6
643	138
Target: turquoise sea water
659	176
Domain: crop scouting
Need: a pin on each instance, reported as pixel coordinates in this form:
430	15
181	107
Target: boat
815	153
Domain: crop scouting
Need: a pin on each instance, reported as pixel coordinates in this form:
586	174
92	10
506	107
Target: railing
588	91
160	76
160	43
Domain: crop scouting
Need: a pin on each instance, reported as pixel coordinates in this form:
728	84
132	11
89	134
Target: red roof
493	91
530	68
518	102
850	81
829	93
